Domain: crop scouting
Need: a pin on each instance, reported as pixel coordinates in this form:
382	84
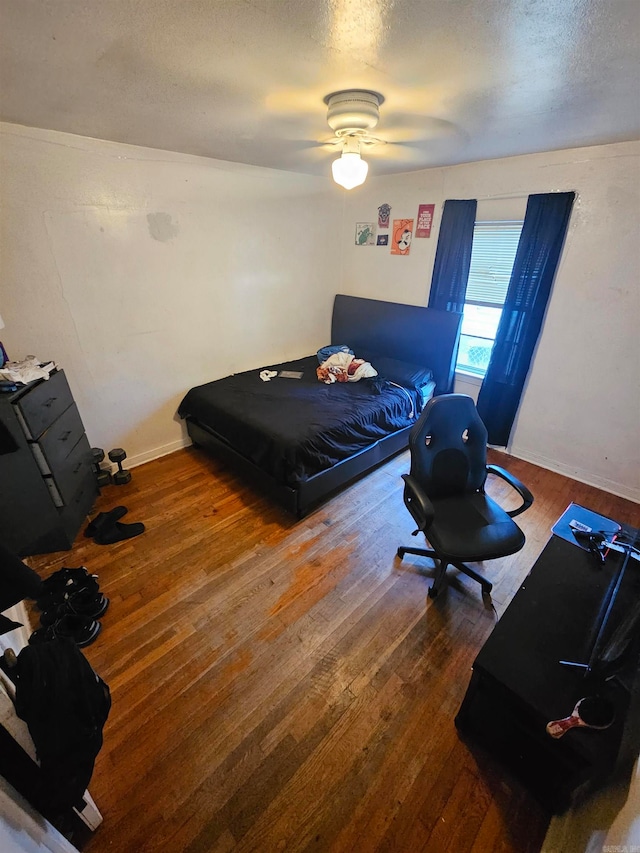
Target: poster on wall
383	239
384	212
425	218
365	233
402	232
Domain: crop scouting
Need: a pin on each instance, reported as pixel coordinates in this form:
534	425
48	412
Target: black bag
65	705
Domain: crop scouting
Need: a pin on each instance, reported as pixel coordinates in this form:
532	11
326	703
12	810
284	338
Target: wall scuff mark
161	227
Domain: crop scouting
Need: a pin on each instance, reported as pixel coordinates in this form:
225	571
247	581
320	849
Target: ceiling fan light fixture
353	110
349	170
351	113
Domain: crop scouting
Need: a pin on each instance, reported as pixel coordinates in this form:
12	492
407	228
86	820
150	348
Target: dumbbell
102	476
121	476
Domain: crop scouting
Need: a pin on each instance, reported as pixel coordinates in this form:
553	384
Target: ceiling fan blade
405	128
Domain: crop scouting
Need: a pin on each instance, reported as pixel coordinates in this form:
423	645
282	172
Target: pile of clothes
26	371
339	364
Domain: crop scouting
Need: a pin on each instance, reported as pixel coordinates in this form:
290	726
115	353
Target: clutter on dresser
27	370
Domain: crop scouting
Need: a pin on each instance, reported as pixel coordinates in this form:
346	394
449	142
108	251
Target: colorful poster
365	233
425	218
383	239
402	232
384	212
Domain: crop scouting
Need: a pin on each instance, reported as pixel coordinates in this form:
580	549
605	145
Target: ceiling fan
351	114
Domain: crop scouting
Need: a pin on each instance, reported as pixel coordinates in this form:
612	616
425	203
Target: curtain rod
498	197
519	195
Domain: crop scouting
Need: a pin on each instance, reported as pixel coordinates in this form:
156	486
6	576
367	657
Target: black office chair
444	491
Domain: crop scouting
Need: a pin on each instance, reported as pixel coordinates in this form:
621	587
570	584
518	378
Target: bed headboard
423	336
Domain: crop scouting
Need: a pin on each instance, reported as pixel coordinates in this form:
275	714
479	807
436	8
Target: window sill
469	378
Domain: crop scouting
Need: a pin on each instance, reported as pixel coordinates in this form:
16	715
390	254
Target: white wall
23	830
144	272
581	406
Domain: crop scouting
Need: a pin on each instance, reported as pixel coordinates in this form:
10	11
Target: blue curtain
534	268
453	255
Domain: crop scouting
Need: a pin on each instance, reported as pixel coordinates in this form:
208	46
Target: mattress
294	428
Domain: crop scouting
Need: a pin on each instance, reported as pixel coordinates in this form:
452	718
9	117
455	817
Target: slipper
80	629
104	519
118	532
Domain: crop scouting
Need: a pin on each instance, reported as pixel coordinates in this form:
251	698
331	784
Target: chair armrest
417	503
523	491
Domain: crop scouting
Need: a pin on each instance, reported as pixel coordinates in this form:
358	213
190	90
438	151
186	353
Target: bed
301	440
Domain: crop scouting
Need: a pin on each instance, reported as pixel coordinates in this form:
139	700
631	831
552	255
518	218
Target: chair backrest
448	447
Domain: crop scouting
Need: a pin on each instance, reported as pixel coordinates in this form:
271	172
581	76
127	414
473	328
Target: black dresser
519	683
47	484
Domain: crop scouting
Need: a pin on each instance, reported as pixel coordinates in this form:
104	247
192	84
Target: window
492	257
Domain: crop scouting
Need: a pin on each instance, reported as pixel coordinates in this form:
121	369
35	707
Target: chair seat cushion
473	527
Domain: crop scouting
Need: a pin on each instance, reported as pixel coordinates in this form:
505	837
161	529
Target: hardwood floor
287	685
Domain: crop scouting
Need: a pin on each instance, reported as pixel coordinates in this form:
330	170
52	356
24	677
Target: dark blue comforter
295	428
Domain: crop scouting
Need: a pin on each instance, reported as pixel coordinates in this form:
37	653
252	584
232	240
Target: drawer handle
78	467
65	435
48	403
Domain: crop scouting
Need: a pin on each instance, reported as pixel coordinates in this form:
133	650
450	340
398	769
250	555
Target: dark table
518	683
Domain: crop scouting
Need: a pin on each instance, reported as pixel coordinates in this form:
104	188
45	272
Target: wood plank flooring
287	685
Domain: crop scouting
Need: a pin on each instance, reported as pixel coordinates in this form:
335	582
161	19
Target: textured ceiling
244	80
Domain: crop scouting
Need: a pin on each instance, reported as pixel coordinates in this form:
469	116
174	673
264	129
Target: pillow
411	376
324	353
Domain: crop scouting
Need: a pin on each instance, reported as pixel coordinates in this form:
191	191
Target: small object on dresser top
27	370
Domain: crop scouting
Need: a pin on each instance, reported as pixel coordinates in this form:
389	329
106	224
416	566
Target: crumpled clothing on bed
344	367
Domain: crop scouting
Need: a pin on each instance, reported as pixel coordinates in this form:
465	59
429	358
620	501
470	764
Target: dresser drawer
61	437
67	478
43	403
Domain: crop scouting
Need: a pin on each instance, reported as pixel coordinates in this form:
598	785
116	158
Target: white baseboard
150	455
619	489
582	476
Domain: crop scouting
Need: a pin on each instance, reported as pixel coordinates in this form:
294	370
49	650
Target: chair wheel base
432	592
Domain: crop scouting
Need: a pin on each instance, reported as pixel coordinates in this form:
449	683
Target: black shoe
85	602
65	577
104	520
57	594
80	629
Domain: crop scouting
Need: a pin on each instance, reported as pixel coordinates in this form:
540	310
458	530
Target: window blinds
492	256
